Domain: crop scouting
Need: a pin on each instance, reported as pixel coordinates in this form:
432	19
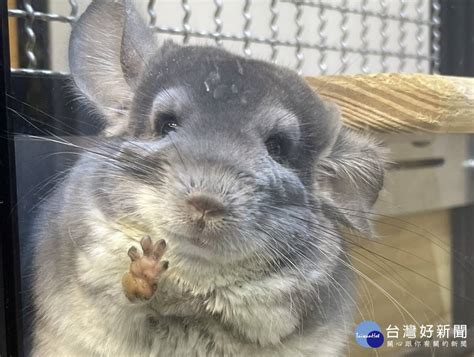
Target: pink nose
205	205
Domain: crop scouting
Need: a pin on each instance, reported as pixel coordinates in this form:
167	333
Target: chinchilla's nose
203	206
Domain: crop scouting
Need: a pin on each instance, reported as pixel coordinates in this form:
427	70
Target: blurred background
418	269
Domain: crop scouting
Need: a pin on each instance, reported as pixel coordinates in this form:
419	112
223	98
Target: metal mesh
312	36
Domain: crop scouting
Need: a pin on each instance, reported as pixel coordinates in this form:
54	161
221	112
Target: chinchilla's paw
140	282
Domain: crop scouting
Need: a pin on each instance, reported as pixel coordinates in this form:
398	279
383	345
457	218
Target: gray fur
271	278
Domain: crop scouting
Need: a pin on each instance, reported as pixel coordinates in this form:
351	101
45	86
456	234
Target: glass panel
113	156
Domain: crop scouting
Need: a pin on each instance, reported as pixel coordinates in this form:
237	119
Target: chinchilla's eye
277	147
166	123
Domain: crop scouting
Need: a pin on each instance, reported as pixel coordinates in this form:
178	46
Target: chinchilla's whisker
398	264
398	223
399	307
94	141
58	119
53	180
334	234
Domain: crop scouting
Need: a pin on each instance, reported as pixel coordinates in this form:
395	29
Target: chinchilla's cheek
282	185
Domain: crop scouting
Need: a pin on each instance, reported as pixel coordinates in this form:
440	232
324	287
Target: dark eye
277	147
166	123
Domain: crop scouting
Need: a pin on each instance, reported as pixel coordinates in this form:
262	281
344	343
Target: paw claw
133	254
159	248
147	245
161	244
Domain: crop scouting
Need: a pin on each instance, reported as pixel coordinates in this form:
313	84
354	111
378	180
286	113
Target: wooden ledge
401	102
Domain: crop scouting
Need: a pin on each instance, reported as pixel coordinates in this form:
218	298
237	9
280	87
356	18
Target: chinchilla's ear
109	48
350	176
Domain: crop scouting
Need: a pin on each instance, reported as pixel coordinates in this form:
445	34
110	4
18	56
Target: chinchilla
207	219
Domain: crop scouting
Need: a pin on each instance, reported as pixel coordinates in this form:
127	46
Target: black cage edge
11	339
457	59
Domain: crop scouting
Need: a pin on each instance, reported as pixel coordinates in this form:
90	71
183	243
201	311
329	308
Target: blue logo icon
369	335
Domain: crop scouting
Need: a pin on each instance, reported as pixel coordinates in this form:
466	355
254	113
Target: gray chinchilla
207	220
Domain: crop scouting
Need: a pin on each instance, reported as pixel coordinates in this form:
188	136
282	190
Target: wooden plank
400	102
13	36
